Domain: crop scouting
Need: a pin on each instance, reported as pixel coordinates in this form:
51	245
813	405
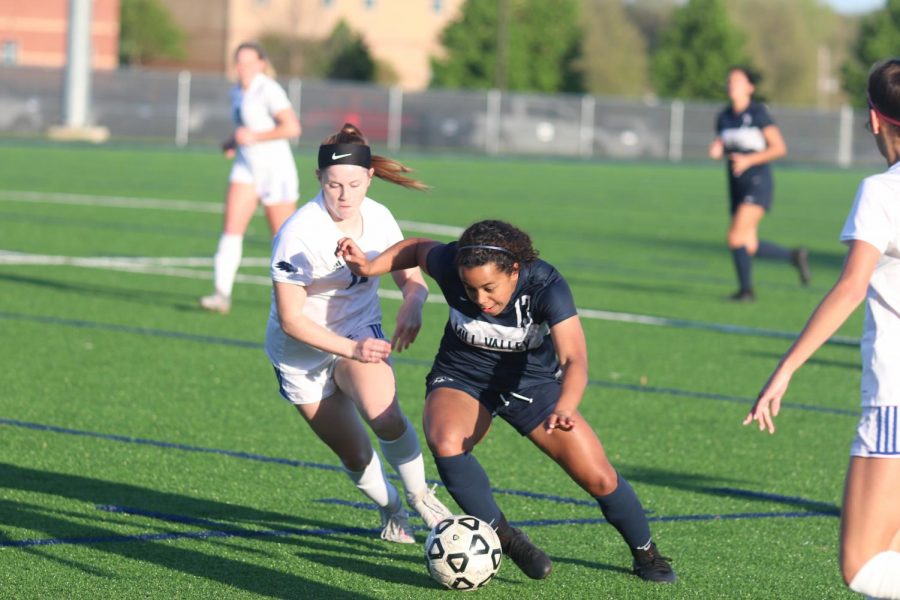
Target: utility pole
77	84
502	44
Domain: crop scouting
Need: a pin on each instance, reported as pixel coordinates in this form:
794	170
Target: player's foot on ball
428	506
522	551
649	565
217	302
800	260
395	525
742	296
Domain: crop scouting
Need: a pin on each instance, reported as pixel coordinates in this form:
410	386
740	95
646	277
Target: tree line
806	53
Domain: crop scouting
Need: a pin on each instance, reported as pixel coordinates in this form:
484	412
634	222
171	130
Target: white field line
176	267
179	205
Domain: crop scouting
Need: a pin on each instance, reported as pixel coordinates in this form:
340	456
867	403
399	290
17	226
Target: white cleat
429	507
216	303
395	525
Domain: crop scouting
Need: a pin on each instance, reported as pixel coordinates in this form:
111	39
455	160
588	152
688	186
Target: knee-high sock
772	250
743	265
469	485
227	261
623	510
405	455
372	482
879	577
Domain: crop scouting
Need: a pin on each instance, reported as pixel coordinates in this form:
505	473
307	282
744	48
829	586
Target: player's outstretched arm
405	254
831	313
571	348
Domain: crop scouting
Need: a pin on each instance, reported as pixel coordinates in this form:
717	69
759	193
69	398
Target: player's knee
445	445
356	460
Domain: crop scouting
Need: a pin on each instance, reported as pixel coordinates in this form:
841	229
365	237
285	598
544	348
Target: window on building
327	3
10	52
437	6
369	3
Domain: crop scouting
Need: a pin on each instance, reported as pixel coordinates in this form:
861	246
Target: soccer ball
462	552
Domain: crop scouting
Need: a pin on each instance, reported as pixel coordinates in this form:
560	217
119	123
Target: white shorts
877	434
273	185
311	384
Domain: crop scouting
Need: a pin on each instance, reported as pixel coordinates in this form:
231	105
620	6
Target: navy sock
623	510
469	485
743	265
773	250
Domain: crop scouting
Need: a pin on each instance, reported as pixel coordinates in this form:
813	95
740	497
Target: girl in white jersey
263	168
870	519
324	333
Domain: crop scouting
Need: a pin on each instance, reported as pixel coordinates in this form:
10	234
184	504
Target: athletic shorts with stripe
314	383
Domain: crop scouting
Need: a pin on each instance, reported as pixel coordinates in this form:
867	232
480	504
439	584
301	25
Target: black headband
344	154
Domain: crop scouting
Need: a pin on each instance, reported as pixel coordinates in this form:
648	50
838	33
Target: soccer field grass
147	453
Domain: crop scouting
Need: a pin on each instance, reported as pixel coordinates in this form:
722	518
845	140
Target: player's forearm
402	255
573	382
835	308
312	334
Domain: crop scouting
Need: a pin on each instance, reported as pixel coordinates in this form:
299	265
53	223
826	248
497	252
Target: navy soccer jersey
742	133
509	351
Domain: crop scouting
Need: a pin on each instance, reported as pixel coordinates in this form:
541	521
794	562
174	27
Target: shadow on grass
348	553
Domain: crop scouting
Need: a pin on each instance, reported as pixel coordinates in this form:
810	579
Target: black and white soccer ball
462	552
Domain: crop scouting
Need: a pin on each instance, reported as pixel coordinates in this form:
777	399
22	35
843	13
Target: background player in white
263	169
870	519
748	137
324	333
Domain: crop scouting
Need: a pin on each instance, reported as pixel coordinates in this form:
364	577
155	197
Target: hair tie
881	115
484	247
345	154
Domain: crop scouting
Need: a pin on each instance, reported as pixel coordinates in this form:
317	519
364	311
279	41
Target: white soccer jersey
255	108
303	254
875	218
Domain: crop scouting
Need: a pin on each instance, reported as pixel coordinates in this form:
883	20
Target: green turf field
146	452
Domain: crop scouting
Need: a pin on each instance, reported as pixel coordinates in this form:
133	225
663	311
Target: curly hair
385	168
495	242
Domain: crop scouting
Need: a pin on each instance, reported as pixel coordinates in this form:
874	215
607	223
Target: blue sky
855	6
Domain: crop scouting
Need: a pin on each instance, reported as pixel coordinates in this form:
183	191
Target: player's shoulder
541	274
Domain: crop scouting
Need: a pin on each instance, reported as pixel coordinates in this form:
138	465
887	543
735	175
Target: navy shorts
524	409
752	187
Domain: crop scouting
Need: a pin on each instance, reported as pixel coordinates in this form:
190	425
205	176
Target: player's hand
244	136
716	150
768	403
559	419
740	163
355	258
228	147
409	322
371	350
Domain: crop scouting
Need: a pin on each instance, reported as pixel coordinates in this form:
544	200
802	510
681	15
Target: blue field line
207	339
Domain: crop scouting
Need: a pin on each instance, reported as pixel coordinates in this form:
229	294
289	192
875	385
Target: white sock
879	577
405	455
373	483
227	261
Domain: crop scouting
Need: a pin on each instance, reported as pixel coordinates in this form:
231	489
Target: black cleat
528	557
742	296
649	565
800	260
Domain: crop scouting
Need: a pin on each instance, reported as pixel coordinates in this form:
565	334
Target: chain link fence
187	109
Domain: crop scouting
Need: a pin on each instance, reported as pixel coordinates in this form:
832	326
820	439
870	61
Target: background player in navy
747	135
514	347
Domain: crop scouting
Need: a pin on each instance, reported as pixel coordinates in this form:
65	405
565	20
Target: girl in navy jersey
747	135
324	335
513	347
870	516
